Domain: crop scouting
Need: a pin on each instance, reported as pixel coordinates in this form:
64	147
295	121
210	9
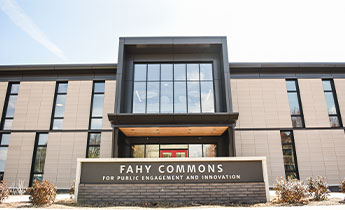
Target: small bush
318	188
291	191
4	191
19	188
42	193
342	186
72	189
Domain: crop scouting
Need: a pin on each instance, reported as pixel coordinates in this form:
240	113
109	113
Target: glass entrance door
173	153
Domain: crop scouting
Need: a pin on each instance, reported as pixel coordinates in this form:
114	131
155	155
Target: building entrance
173	153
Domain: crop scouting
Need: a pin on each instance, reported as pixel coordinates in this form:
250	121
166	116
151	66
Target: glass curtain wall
173	88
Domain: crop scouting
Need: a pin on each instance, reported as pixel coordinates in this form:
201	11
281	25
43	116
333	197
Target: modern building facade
172	97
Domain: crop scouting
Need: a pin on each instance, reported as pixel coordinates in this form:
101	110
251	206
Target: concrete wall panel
321	152
34	106
62	152
19	158
106	144
78	102
262	143
109	102
340	90
313	103
262	103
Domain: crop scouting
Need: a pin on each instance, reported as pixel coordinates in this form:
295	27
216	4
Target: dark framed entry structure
173	91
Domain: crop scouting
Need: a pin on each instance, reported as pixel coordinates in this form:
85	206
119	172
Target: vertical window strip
289	155
10	105
93	145
96	116
4	142
295	104
59	105
97	102
39	157
332	103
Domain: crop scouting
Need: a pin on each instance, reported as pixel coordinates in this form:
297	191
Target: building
172	97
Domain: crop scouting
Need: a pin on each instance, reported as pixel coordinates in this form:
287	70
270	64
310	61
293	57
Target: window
97	106
10	105
59	105
39	157
93	145
173	150
4	142
332	103
173	88
289	155
295	103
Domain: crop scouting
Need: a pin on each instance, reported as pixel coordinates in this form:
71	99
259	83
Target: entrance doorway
173	153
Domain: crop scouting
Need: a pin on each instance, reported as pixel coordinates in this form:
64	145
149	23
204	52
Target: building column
115	151
232	146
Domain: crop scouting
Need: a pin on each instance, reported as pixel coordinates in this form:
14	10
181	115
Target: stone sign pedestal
172	180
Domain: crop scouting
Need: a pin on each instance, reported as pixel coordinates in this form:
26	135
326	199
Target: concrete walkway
25	198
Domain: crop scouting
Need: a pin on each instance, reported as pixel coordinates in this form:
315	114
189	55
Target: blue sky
87	31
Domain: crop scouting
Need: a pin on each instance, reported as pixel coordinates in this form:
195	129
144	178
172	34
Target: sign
172	171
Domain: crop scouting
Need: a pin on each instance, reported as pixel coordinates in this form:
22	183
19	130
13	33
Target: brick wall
203	193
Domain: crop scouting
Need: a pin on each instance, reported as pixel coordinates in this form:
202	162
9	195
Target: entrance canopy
219	119
174	131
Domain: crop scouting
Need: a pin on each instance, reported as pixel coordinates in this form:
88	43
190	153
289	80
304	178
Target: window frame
93	145
53	118
294	153
7	98
188	145
297	91
33	162
2	173
173	87
336	104
92	104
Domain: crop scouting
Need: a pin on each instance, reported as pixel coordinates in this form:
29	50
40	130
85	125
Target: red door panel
173	153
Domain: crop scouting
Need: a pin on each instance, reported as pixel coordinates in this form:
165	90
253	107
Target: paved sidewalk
25	198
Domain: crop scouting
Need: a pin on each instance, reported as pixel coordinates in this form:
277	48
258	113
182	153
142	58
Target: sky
88	31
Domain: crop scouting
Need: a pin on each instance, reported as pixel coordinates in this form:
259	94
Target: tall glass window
295	103
97	106
332	103
173	88
39	157
59	105
93	145
10	105
4	142
289	155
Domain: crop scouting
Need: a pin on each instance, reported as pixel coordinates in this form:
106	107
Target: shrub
342	186
4	191
42	193
318	188
71	190
291	191
18	189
